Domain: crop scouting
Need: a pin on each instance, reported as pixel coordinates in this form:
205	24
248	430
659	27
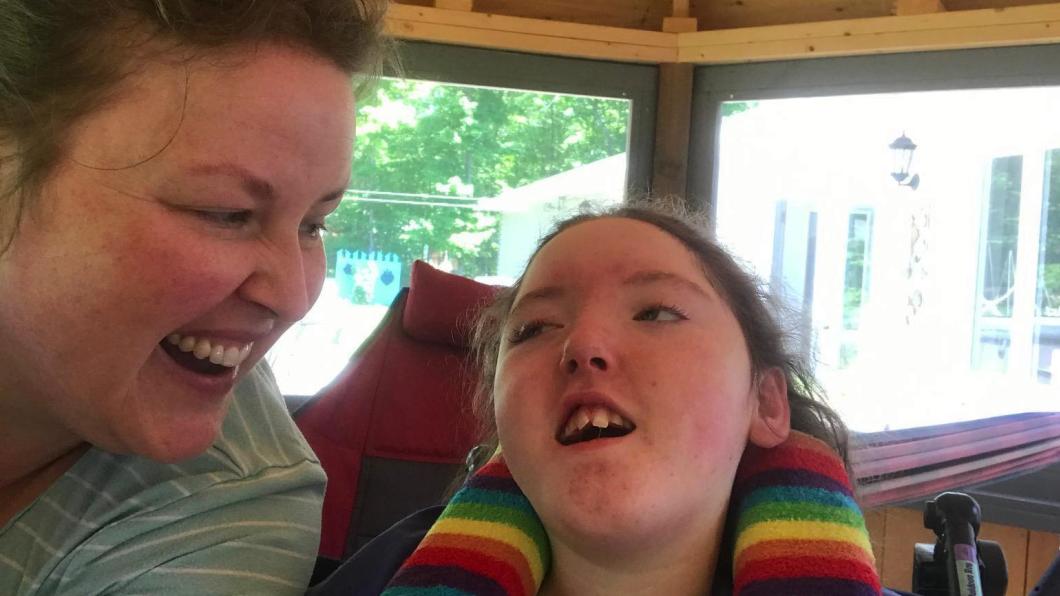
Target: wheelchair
959	564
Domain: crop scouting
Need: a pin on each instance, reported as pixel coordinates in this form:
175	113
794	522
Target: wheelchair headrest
441	306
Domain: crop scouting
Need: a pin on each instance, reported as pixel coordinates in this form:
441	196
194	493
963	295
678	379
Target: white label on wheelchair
967	562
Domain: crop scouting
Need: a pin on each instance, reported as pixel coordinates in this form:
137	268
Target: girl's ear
771	418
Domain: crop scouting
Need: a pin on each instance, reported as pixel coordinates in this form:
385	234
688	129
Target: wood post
672	125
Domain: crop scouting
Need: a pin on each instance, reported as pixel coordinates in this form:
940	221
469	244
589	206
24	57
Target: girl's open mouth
587	423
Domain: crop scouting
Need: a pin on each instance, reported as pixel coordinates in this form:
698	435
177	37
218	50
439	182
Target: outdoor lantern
902	152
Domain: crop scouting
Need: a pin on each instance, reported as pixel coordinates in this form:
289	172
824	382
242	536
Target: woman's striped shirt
243	518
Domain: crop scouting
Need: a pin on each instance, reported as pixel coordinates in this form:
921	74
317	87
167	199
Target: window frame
1013	501
988	68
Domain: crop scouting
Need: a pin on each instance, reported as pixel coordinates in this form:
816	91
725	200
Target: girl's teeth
174	339
202	349
581	419
600	418
187	344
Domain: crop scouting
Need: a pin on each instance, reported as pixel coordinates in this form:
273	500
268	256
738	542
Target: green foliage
1050	295
456	144
729	108
1002	234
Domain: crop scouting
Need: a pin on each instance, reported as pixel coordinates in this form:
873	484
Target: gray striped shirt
243	518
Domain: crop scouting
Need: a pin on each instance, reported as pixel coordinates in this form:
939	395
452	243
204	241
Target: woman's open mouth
203	356
588	423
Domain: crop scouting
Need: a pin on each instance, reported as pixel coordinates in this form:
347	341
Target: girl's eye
228	219
526	331
662	313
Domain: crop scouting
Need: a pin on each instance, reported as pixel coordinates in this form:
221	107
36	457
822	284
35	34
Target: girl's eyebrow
651	276
638	278
537	295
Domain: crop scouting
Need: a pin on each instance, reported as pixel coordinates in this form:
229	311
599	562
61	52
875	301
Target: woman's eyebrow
652	276
255	186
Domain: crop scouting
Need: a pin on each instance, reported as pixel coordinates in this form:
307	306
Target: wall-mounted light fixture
902	152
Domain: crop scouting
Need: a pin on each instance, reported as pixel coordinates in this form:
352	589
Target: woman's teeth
217	353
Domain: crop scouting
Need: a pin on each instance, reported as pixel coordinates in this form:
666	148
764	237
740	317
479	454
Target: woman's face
185	210
624	393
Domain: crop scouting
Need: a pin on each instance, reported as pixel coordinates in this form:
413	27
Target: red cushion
404	395
442	306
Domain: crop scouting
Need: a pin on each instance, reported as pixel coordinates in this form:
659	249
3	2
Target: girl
654	433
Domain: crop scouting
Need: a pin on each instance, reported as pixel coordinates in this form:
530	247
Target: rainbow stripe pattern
487	541
799	531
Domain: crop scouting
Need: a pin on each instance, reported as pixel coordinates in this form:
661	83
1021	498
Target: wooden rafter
918	32
911	7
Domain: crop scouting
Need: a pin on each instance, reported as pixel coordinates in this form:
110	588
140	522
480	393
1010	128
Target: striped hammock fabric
798	531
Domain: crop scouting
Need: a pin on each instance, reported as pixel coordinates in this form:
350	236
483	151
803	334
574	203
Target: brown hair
768	344
61	59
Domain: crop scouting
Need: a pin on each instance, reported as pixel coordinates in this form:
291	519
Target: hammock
906	465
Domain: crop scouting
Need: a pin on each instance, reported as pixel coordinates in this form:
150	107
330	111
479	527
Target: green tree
452	144
1049	284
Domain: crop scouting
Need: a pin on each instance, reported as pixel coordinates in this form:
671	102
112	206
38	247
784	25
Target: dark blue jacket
367	572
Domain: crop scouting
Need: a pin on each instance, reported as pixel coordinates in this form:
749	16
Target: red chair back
393	430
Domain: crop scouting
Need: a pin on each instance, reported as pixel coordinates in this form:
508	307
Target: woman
167	166
655	435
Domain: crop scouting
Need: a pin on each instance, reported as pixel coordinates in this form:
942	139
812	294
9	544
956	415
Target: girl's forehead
607	250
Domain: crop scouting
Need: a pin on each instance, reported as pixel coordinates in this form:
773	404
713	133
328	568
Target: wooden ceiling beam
530	35
911	7
1022	25
464	5
680	22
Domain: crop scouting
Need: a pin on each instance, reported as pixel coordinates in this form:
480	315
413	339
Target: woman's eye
662	313
228	219
314	231
526	331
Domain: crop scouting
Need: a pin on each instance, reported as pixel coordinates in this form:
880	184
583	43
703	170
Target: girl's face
624	394
186	210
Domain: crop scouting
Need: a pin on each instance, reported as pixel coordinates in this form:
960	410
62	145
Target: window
919	306
464	163
855	281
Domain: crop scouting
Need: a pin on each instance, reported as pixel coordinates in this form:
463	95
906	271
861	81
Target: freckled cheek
717	435
184	278
315	271
504	411
515	404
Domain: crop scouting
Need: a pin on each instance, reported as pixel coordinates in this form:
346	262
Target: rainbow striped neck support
797	532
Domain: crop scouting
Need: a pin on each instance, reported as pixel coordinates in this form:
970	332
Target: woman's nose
280	283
